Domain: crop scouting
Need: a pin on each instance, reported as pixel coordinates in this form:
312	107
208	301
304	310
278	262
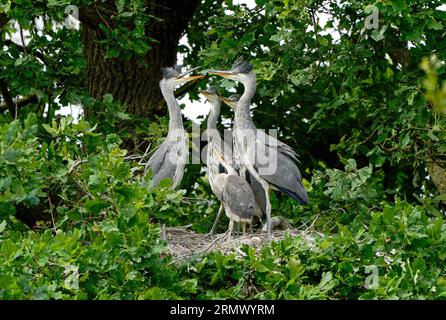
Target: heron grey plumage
278	157
170	158
237	198
256	186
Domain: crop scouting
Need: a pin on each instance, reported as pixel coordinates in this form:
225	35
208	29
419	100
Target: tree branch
4	19
20	103
9	103
89	16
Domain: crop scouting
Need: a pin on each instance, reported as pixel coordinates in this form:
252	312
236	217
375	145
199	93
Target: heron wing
288	179
160	164
179	157
237	195
273	142
283	174
257	189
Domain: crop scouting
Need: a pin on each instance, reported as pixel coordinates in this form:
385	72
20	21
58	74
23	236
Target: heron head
231	100
211	94
241	71
173	76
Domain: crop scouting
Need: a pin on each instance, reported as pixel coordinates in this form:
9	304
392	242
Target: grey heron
256	186
267	159
237	198
170	158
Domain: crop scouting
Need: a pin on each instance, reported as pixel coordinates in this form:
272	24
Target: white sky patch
75	110
193	110
251	4
322	19
442	7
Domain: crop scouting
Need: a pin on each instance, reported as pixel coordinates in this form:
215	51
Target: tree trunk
130	82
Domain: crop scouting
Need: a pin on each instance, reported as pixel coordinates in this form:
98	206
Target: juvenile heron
237	198
257	150
170	158
235	194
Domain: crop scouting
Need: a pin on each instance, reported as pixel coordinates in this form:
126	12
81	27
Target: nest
185	245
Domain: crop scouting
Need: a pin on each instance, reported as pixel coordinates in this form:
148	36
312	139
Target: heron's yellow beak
229	102
209	95
193	78
184	80
225	74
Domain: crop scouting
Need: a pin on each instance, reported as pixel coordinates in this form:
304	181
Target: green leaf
123	115
108	226
50	129
95	206
2	226
441	197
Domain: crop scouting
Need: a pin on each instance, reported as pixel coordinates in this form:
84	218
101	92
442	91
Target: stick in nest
199	251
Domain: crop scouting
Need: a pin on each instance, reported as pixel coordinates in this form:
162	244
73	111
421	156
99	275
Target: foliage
364	109
394	242
102	244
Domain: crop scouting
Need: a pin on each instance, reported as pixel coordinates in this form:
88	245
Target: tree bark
130	82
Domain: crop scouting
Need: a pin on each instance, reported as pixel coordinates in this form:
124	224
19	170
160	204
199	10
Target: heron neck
213	115
175	118
242	114
212	133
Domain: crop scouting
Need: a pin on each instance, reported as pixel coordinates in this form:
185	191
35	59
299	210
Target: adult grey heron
256	186
235	194
170	158
267	159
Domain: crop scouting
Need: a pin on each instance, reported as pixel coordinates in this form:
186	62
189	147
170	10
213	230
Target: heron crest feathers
171	72
241	66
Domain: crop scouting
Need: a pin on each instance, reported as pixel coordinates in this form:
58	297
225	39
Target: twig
102	18
183	228
199	251
52	215
132	157
239	251
81	188
75	164
163	232
314	221
196	199
20	103
22	38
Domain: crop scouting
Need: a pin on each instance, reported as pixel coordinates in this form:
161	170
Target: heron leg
231	226
238	229
220	210
268	208
244	228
